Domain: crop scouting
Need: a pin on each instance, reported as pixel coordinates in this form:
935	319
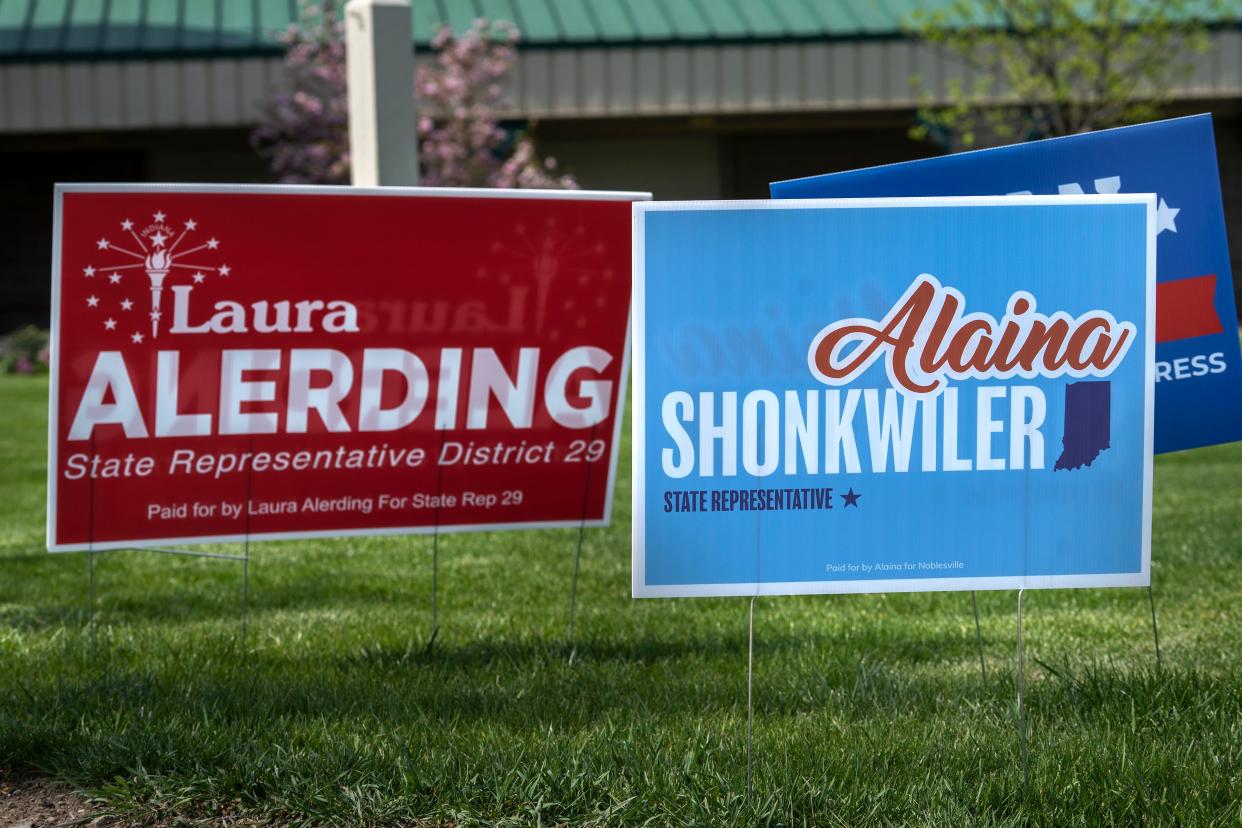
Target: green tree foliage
1042	68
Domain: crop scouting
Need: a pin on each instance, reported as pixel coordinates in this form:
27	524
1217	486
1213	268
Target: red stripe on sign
1185	308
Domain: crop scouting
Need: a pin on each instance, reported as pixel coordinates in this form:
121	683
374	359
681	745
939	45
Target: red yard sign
282	362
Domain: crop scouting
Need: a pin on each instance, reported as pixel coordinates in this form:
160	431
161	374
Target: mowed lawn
868	709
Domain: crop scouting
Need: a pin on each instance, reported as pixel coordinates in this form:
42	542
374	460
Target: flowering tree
1057	67
305	132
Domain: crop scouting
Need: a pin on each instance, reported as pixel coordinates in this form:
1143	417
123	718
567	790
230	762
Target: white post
379	57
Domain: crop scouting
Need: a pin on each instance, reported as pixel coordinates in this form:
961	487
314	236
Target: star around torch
157	258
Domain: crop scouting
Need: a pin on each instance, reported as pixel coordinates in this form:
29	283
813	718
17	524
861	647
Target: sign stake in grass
1021	679
974	601
90	559
435	570
245	637
435	554
1155	631
246	558
573	590
91	553
750	701
90	588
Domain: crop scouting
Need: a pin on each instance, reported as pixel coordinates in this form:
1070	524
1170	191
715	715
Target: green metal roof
32	30
38	30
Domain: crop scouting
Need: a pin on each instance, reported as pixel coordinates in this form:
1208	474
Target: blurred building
709	99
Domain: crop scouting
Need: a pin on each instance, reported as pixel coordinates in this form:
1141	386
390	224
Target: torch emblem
158	254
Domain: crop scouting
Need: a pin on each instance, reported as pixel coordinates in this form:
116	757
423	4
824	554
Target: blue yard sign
1198	365
872	395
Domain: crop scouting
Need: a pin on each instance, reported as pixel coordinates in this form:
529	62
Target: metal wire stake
435	567
573	592
246	594
1022	696
90	589
983	672
246	559
750	702
435	552
90	556
1155	631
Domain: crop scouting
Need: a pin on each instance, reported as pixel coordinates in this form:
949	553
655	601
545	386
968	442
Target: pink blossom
304	135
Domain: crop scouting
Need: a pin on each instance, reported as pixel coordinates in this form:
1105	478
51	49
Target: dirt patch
36	803
42	803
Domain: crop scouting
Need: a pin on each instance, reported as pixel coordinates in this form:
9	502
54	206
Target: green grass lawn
868	709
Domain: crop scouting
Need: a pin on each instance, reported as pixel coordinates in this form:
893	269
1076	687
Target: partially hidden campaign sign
278	362
892	394
1198	363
